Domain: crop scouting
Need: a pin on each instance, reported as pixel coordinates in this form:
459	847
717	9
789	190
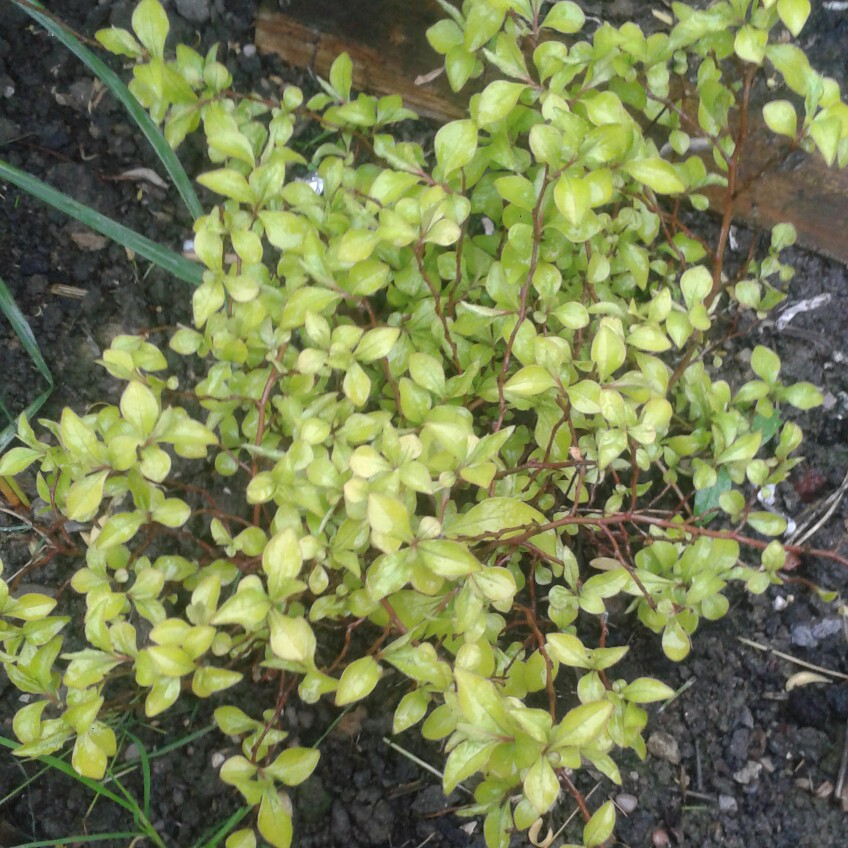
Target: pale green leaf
497	100
657	174
794	14
599	828
456	144
565	17
274	821
358	681
150	24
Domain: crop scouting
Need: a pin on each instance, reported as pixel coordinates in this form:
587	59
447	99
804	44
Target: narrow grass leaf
27	339
168	260
144	762
114	83
79	840
216	838
65	768
139	817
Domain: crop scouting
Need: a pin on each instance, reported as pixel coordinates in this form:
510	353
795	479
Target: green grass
167	259
111	790
139	810
114	83
172	262
27	339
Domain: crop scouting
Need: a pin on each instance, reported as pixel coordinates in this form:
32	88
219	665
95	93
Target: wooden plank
387	43
800	189
385	39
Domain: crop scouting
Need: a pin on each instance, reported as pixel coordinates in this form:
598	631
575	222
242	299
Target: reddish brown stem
726	220
437	305
575	793
522	307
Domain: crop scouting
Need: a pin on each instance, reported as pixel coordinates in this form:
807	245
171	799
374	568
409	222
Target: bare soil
736	760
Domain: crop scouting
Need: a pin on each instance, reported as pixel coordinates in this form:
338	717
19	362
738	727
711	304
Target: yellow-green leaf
657	174
498	100
529	381
150	24
358	680
599	828
447	558
456	144
140	407
274	820
608	350
565	17
83	498
794	14
541	785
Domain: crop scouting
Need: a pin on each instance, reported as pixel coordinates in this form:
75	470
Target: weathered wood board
385	39
387	43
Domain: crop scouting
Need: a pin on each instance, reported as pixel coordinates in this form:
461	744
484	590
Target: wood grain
387	43
385	39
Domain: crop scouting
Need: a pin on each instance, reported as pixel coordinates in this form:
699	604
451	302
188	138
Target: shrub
456	403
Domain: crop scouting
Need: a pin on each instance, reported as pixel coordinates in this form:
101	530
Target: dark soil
736	760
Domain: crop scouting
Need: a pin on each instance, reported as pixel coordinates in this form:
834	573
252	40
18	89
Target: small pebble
802	636
196	11
827	627
248	50
809	635
748	773
659	838
727	804
664	746
626	802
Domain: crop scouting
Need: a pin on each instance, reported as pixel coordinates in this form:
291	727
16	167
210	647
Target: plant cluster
453	403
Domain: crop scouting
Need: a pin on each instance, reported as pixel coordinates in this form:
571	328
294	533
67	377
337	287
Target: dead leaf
350	724
534	832
87	240
805	678
68	291
147	174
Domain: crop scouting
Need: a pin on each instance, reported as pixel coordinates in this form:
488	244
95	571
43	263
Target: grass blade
16	790
144	762
79	840
129	803
217	836
62	766
160	752
24	333
140	818
166	259
183	740
114	83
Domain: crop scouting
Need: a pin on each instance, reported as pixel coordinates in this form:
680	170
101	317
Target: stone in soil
664	746
196	11
727	804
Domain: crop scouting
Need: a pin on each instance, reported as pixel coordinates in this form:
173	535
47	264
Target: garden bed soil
735	760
